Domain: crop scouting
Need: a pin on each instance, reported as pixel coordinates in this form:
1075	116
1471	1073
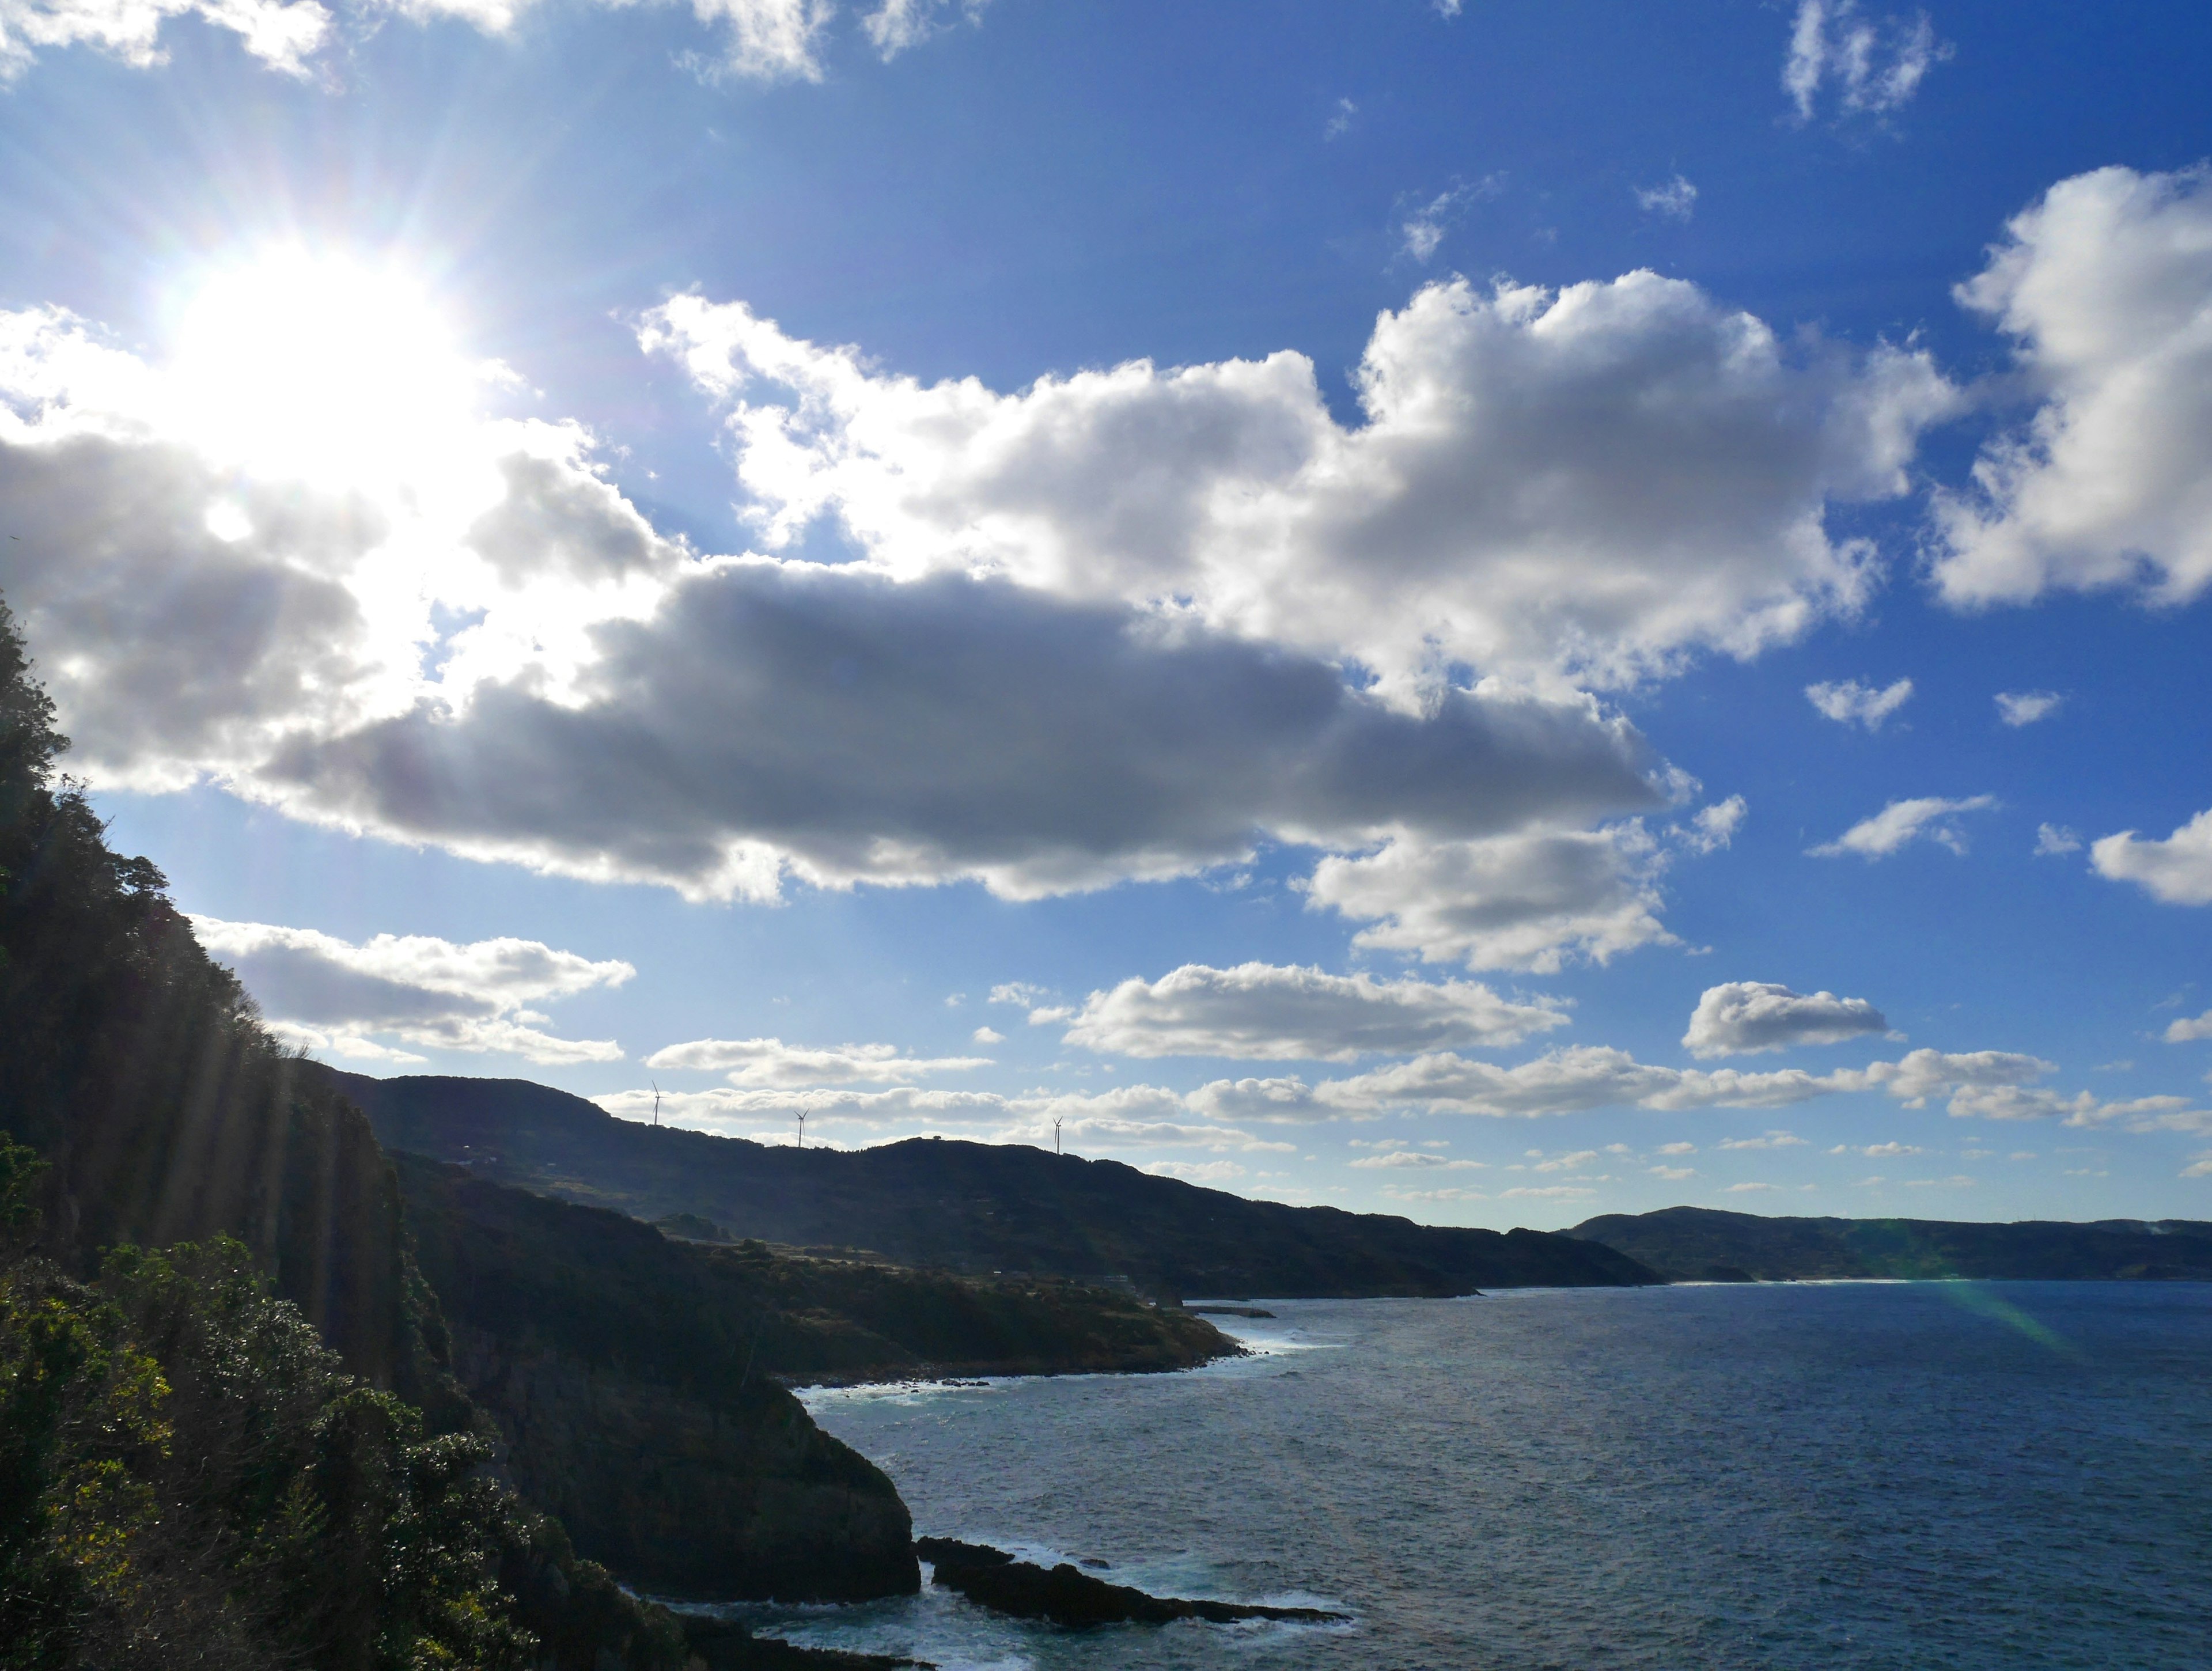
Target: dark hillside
1687	1243
134	1065
964	1206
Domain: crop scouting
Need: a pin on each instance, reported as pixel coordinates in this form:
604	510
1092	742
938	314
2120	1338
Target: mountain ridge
1690	1244
962	1205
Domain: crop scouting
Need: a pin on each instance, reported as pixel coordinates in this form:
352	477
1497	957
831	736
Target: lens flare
335	373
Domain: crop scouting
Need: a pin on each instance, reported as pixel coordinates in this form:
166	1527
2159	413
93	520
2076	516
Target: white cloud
1601	479
1672	1173
1341	119
2177	871
329	995
1713	827
1423	231
988	1036
896	25
2180	1031
2025	708
2052	840
1270	1012
1195	1171
763	1062
1677	199
1549	1192
1880	1150
1902	823
1535	900
1768	1140
1678	1148
2200	1166
1741	1018
1992	1085
1849	701
759	39
282	36
2105	285
1571	1080
1019	993
1874	66
1748	1188
1410	1160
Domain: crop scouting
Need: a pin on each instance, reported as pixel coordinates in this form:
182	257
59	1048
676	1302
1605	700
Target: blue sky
1387	604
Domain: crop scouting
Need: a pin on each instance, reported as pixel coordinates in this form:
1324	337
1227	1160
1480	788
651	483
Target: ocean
1831	1476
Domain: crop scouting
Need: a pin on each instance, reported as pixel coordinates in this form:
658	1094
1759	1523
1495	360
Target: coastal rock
1067	1596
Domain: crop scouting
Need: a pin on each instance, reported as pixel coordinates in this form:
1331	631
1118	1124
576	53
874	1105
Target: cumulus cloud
1270	1012
1410	1160
2052	840
1533	900
1571	1080
1677	199
1900	823
2177	871
1992	1085
1600	479
771	719
771	1062
282	36
2105	285
2181	1032
2024	707
1851	702
1871	66
756	39
329	995
1741	1018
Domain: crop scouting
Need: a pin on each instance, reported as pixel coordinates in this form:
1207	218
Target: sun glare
322	368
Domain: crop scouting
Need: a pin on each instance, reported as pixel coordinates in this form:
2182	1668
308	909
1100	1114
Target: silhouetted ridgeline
1690	1244
965	1207
195	1471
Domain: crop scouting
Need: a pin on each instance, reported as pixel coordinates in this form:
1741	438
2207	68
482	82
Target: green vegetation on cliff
247	1446
638	1380
971	1207
188	1477
1690	1244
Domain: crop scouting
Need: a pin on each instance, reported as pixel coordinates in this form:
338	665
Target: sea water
1831	1476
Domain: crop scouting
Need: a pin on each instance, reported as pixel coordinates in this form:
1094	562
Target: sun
329	370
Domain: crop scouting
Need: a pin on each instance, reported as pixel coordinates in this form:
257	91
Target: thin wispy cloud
1850	702
1857	64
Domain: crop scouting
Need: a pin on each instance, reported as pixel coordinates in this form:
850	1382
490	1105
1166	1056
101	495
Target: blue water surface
1939	1474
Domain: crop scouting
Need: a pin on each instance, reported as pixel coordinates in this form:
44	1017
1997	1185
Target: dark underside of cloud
905	732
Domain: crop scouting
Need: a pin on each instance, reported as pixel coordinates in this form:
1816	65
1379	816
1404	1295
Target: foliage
206	1459
187	1477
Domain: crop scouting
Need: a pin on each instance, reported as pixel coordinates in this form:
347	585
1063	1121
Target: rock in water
1066	1595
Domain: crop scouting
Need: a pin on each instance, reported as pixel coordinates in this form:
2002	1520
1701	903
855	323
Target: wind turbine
1055	1132
656	1103
802	1128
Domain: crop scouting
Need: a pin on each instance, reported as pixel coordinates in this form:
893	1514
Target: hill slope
965	1207
1688	1243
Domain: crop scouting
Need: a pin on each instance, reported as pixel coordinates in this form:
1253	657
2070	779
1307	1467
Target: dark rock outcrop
1067	1596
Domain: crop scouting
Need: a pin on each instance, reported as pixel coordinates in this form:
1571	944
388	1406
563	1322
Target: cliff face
628	1384
740	1496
